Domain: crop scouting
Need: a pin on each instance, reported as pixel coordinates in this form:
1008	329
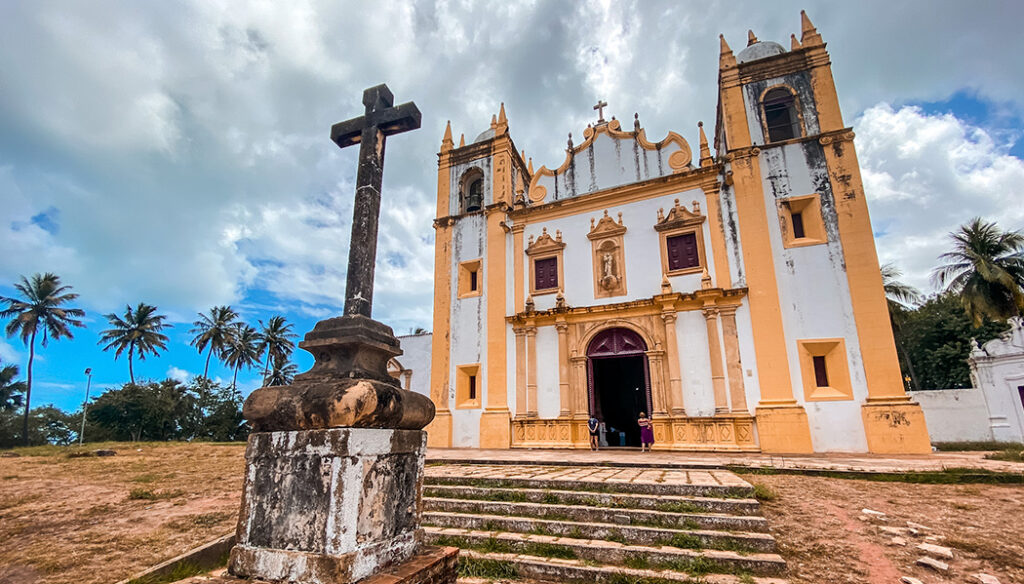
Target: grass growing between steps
582	487
949	476
553	498
486	568
497	546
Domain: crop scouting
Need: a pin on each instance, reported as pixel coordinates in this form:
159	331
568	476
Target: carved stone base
333	505
348	385
725	433
896	428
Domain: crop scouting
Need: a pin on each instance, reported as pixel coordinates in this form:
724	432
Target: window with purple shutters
546	273
682	251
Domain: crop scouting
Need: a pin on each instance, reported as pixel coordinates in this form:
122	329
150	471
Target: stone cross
370	130
600	110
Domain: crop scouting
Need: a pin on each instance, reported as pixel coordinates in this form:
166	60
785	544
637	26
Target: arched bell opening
619	383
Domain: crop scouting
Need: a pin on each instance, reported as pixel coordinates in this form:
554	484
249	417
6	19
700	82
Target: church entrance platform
872	463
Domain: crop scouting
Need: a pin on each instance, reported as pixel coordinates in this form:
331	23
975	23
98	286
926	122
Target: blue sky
177	153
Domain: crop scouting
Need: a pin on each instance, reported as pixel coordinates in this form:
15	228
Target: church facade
731	293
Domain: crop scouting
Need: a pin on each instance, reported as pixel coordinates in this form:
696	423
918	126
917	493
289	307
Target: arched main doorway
618	383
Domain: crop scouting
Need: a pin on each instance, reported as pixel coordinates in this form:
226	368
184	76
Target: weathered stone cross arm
380	115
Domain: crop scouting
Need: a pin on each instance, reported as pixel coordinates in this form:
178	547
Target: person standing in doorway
594	425
646	432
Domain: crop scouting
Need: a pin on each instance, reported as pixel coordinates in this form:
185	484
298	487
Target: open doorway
619	384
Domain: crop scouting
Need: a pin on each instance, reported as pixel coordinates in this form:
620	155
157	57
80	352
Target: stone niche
330	505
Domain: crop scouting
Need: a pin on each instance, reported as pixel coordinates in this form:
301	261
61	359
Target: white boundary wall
954	415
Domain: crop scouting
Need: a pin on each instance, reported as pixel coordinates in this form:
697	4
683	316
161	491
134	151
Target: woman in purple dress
646	433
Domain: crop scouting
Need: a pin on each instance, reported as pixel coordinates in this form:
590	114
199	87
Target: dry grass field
96	520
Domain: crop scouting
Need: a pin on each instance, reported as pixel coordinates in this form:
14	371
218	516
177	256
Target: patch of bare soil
101	519
825	536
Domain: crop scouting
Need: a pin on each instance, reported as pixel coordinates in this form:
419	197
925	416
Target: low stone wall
955	415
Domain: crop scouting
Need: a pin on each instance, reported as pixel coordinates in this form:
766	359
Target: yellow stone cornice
655	305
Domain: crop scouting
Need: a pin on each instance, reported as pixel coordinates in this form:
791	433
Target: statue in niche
609	277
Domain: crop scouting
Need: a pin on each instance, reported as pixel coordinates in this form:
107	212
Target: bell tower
476	186
822	337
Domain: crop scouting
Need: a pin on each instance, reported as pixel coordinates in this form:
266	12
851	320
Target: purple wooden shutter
546	273
682	251
820	371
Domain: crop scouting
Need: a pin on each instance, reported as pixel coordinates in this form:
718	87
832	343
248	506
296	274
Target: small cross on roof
601	104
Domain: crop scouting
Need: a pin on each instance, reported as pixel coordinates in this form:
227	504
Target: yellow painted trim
673	184
462	399
715	357
717	230
439	432
809	207
563	367
867	296
763	291
679	163
517	266
495	431
836	367
520	333
466	270
531	371
734	365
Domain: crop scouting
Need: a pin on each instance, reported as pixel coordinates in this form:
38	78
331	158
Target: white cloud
924	175
178	374
9	355
185	150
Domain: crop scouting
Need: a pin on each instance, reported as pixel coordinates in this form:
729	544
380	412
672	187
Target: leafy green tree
220	412
213	330
986	268
242	350
47	425
277	342
40	310
147	411
283	372
138	331
10	390
937	338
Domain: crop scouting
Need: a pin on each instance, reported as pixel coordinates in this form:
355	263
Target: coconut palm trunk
28	389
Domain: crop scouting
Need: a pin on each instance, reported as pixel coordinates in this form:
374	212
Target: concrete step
564	570
607	552
632	534
585	513
595	499
704	488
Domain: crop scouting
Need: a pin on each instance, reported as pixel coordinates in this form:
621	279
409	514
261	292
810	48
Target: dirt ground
818	524
76	520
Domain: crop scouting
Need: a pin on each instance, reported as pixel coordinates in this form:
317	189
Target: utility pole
85	404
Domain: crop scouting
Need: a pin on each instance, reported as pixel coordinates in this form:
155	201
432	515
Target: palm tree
900	296
277	338
986	268
10	390
39	311
138	331
242	350
213	329
283	372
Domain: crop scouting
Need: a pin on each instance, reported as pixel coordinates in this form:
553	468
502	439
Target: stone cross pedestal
334	466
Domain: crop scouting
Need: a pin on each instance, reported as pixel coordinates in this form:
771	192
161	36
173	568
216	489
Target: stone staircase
600	524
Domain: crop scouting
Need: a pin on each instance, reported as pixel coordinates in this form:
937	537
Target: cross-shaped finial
601	104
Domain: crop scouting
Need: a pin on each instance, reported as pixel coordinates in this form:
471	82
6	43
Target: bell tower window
781	120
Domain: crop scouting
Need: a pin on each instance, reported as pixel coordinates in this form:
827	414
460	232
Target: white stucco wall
607	162
954	415
814	298
694	364
641	247
467	328
998	369
548	402
416	357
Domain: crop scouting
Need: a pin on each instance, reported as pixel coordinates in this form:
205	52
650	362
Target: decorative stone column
737	390
407	375
675	381
531	372
715	354
656	370
565	407
520	333
581	407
